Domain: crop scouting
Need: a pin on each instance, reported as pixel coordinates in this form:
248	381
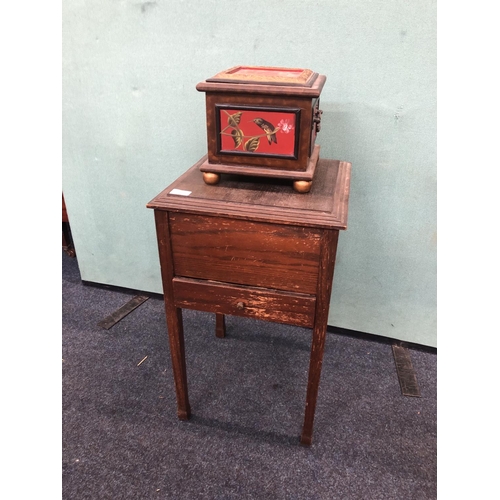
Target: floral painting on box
256	131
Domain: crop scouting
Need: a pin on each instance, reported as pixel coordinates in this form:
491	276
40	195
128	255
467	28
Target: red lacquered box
263	121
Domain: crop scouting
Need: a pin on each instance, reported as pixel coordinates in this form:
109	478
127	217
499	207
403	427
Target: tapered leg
329	241
174	316
315	364
220	325
177	353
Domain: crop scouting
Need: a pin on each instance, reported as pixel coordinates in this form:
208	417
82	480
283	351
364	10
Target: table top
264	199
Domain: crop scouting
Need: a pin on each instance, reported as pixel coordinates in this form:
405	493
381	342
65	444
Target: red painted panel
254	131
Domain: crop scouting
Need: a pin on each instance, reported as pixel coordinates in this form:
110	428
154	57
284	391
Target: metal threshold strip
120	313
406	373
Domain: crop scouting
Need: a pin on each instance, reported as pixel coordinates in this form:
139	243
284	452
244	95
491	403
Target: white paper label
180	192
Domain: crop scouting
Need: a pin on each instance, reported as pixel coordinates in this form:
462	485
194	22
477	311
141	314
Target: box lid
266	75
265	80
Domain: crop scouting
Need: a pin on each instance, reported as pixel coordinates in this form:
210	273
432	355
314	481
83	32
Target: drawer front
269	305
248	253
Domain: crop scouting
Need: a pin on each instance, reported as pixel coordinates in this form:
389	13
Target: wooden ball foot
302	186
211	178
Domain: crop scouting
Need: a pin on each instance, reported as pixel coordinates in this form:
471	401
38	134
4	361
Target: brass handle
240	305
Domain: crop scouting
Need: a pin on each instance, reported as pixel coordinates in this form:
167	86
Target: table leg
178	356
174	316
220	325
327	264
315	364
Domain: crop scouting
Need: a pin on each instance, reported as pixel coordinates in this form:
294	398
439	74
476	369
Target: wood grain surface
222	298
264	199
244	252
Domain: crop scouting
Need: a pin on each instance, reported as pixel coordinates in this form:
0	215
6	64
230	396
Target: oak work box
263	121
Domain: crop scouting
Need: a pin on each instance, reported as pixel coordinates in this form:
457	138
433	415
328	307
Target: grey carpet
122	439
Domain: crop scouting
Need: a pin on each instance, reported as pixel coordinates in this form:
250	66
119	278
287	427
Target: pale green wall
129	74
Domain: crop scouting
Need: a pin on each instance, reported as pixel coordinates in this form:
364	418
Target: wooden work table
251	247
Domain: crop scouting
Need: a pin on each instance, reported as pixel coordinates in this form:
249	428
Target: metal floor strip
406	373
120	313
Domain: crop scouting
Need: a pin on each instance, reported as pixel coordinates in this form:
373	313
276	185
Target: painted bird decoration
268	128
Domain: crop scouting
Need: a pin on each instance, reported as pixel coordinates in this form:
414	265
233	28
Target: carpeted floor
122	439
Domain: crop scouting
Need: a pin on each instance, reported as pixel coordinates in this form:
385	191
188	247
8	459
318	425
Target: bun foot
211	178
302	186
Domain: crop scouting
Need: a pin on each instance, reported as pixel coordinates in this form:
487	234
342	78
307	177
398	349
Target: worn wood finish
267	200
251	248
328	254
251	302
174	316
247	253
220	325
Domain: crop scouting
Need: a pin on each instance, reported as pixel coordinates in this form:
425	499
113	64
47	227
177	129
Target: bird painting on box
268	128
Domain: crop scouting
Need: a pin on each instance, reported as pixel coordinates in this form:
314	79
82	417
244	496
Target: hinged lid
265	80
